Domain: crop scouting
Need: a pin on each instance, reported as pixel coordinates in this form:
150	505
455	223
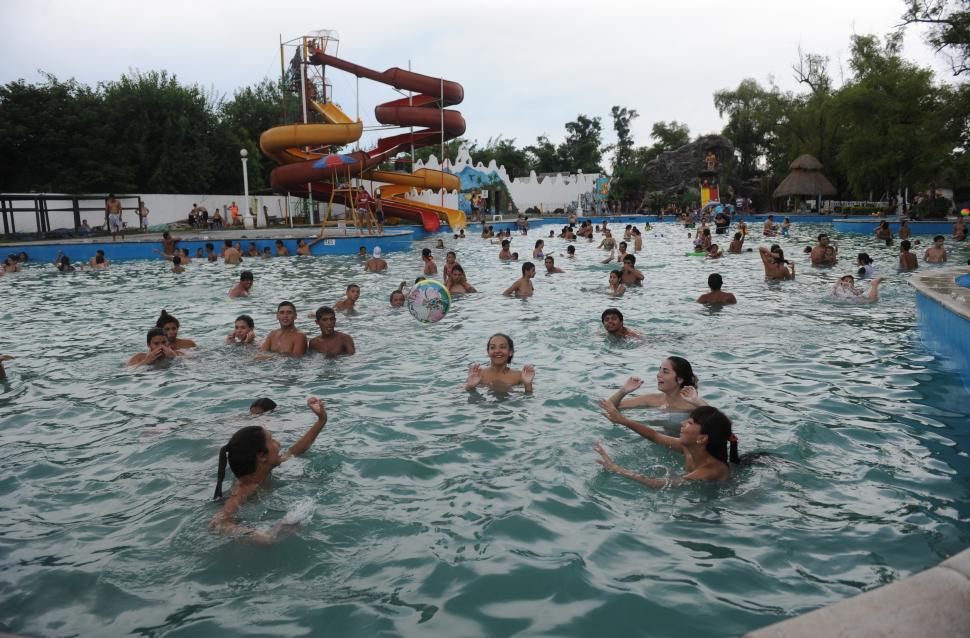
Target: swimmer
960	229
267	252
769	228
537	251
262	406
904	230
907	260
440	244
170	325
785	227
522	287
737	244
286	339
451	260
775	263
551	267
302	250
350	298
936	254
457	284
245	284
281	249
499	375
864	262
64	264
397	298
631	276
159	349
705	439
570	252
4	357
608	242
230	254
461	233
331	342
714	252
210	253
199	254
612	320
177	265
845	289
716	295
616	287
742	228
429	266
243	331
251	454
637	239
375	263
168	244
515	256
884	233
706	239
677	387
824	254
99	261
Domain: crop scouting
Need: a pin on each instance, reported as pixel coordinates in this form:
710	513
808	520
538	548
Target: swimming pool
436	512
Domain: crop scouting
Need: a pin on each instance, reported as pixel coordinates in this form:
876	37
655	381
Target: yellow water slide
284	143
421	179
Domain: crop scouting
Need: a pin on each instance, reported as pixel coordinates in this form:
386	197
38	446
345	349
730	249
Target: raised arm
610	466
611	412
301	446
528	376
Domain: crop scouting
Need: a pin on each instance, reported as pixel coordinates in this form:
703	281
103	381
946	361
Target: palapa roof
805	178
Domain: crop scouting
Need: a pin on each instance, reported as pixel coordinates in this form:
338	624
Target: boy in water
286	339
231	255
347	303
630	274
210	252
716	295
936	254
522	287
505	253
281	249
551	266
824	254
262	406
612	320
245	284
375	263
331	342
907	260
430	268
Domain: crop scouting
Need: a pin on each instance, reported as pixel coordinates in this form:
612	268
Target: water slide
303	171
421	179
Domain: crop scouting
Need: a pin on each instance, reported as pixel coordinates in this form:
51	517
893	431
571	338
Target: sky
527	67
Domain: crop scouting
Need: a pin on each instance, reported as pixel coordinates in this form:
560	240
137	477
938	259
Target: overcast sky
527	67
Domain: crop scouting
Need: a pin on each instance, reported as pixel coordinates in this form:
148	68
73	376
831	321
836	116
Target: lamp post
244	156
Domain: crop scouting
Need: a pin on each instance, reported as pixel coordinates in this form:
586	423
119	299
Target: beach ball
965	212
429	301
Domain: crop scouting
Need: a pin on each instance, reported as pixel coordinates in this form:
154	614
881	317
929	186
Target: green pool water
430	511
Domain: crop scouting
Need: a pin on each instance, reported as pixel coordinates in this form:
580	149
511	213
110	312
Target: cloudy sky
527	66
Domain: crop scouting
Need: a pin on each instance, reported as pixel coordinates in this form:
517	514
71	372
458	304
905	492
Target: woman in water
884	233
845	289
500	351
158	349
904	231
714	252
10	264
616	284
637	240
737	244
776	266
243	331
785	226
706	441
64	264
170	325
864	262
251	454
457	284
537	251
676	385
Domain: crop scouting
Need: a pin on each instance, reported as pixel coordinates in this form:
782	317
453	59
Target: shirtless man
907	260
960	229
936	254
112	211
505	253
210	252
429	266
231	256
242	288
551	266
630	274
330	342
99	261
286	339
824	254
716	295
375	263
770	230
143	216
522	287
281	249
347	303
612	320
168	244
775	263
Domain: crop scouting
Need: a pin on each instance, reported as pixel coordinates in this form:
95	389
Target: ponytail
721	442
733	450
223	453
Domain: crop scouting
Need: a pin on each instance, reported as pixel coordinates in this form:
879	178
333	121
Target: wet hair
279	242
629	259
820	235
707	232
905	245
241	453
166	235
864	258
939	238
623	245
721	442
715	281
618	273
286	303
265	404
451	252
507	338
154	332
539	242
550	259
176	261
65	262
737	236
228	243
425	252
528	266
611	311
249	320
324	311
349	286
506	243
515	256
209	246
395	292
164	319
457	268
683	369
570	249
99	257
778	253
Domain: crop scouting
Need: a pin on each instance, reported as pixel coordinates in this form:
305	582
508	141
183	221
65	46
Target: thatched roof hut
805	178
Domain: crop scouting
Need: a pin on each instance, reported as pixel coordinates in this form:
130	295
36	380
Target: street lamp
244	156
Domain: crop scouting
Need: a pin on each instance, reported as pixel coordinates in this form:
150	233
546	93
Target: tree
669	136
582	150
752	114
544	157
515	160
949	32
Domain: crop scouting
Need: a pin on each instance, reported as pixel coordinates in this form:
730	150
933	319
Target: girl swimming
616	287
676	385
158	349
500	351
864	261
845	289
170	325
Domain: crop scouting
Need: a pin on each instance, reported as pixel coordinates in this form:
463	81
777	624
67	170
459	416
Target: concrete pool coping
942	287
931	603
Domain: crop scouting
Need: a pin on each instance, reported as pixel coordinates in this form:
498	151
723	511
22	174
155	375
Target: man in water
612	320
907	260
505	253
231	255
522	287
347	303
551	266
429	266
331	342
960	229
243	287
936	254
824	254
375	263
112	210
630	274
286	339
210	252
281	249
168	243
716	295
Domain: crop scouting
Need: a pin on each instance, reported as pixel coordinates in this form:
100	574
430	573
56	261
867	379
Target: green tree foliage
949	33
753	113
545	157
583	148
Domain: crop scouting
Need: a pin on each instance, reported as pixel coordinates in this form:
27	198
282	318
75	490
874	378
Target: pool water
430	511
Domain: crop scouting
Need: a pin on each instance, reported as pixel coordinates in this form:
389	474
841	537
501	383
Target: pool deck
942	287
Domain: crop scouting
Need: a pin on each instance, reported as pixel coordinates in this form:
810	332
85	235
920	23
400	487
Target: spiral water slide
302	171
